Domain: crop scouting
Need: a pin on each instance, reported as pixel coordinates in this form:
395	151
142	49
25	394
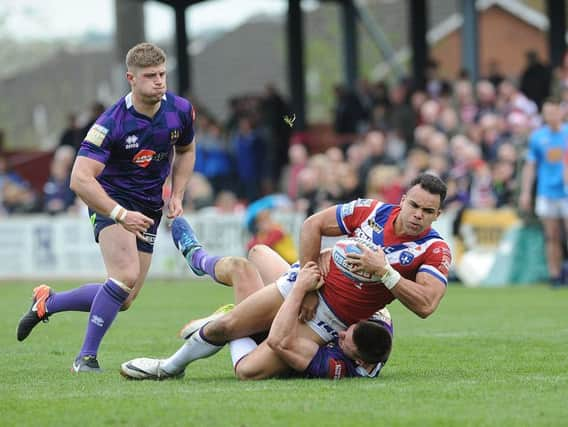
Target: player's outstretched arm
283	339
85	185
181	172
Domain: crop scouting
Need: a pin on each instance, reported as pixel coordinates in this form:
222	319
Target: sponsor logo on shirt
554	155
143	158
131	142
96	134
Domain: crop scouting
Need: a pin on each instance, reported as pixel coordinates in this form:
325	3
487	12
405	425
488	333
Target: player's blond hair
145	55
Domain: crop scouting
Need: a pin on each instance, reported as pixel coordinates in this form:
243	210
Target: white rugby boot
145	368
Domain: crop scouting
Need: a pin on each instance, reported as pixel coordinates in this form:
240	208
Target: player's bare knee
240	266
245	372
126	278
256	252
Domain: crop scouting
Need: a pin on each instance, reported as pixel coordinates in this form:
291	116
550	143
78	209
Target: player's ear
438	213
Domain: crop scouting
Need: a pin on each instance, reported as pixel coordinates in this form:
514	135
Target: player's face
552	114
346	342
149	83
418	210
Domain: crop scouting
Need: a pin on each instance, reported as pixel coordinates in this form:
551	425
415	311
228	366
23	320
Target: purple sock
104	309
78	299
202	260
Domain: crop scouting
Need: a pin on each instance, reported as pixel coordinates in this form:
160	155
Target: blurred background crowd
378	138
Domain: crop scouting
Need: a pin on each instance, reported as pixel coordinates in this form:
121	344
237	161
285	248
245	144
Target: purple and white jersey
136	150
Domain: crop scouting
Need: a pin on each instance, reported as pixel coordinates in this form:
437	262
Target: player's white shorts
546	207
324	323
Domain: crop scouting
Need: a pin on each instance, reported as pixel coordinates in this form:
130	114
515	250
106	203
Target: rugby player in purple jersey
119	173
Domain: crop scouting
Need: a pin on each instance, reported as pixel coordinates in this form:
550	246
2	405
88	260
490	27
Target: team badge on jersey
174	136
405	258
96	134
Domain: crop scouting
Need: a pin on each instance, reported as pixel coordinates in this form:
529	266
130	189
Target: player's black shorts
100	221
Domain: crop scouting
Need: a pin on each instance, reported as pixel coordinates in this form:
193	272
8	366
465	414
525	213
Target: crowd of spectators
473	135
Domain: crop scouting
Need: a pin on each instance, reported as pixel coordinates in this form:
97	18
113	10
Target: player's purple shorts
101	221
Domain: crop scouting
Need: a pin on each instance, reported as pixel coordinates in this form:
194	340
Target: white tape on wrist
390	278
118	213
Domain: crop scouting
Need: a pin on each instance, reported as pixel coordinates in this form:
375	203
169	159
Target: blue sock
202	260
104	309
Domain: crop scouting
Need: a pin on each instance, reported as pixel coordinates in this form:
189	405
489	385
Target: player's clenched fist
309	277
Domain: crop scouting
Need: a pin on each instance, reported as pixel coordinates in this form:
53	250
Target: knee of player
256	251
245	372
127	278
240	265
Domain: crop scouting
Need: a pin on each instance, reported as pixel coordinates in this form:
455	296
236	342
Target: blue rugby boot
186	241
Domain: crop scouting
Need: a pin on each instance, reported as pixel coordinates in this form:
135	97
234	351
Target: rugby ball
339	255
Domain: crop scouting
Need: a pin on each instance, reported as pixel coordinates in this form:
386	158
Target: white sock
240	348
194	348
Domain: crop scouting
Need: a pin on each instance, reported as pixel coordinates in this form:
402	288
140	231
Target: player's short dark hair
432	184
553	99
145	55
373	341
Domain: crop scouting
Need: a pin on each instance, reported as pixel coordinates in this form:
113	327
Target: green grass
487	357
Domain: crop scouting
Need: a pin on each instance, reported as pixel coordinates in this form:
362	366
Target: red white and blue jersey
137	150
373	221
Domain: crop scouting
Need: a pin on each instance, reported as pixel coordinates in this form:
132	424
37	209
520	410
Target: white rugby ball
339	255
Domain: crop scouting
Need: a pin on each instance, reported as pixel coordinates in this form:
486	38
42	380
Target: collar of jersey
130	107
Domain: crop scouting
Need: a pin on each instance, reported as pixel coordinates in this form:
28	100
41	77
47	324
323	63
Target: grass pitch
487	357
